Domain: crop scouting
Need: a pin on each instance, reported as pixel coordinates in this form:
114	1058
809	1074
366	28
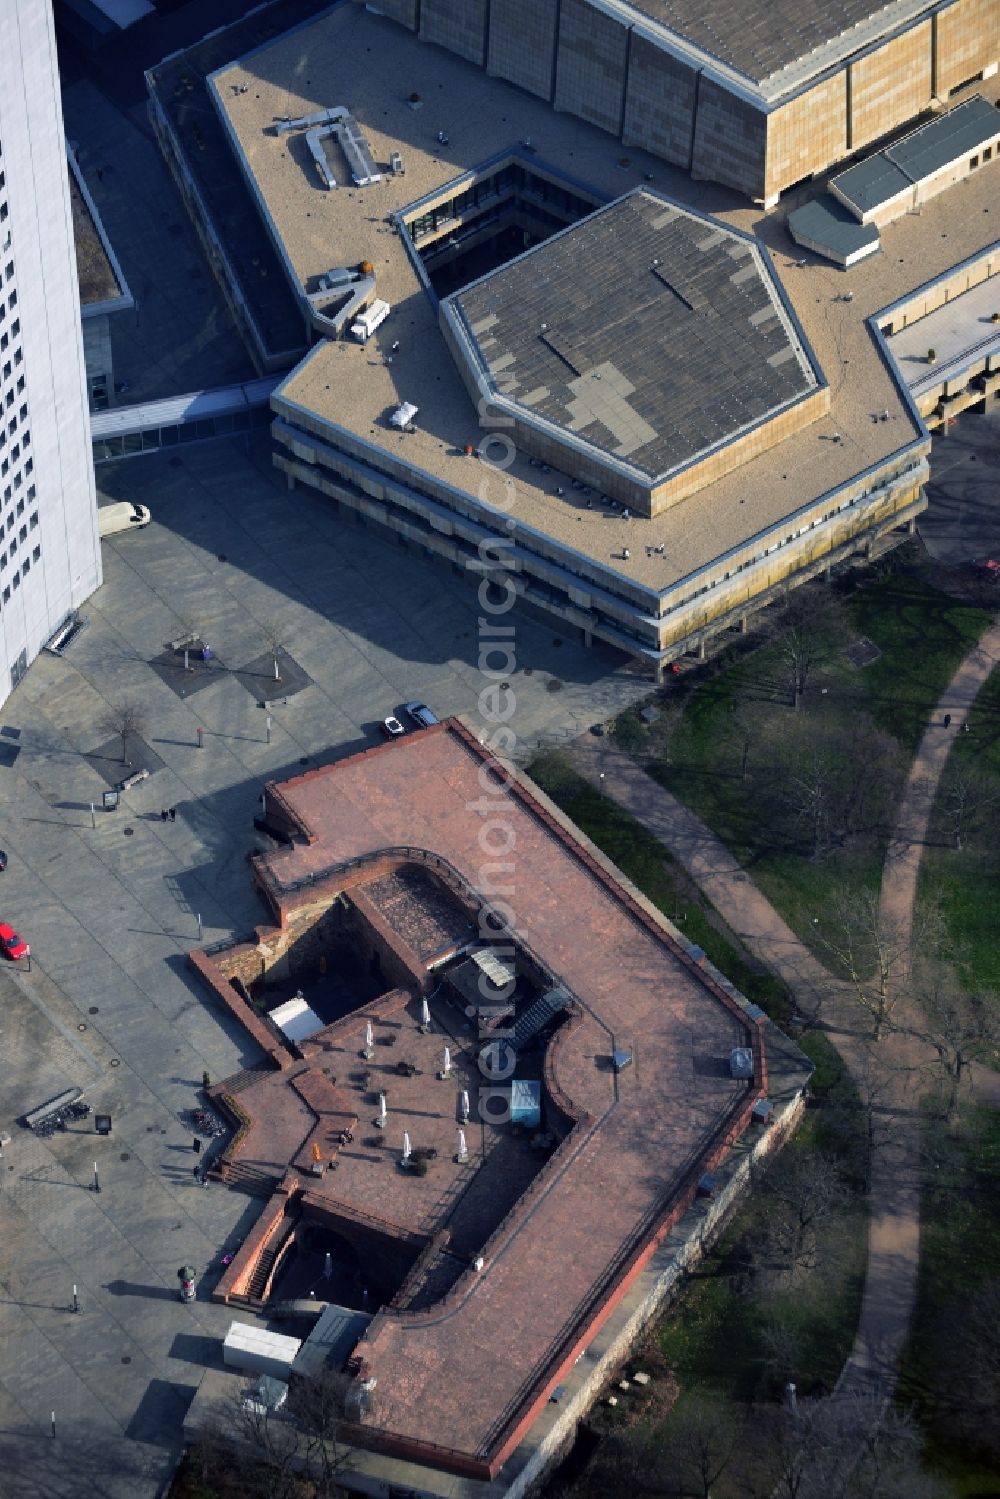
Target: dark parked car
421	715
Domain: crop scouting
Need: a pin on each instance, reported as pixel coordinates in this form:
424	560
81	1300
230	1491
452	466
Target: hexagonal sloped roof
644	336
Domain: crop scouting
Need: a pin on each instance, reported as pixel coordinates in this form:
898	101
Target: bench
46	1110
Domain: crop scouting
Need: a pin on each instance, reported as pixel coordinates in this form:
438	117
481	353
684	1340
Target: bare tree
317	1405
125	721
873	950
805	634
685	1459
830	782
841	1447
864	1118
961	1028
273	637
745	719
803	1191
965	800
244	1440
272	1443
966	1374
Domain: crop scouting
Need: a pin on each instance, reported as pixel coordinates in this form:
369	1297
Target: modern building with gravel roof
646	350
676	415
759	94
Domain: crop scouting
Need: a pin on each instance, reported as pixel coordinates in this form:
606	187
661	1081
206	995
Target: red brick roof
459	1382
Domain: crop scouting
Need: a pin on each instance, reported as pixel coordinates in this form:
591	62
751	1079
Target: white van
366	322
113	519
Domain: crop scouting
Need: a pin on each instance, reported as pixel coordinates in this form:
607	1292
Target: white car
121	516
392	728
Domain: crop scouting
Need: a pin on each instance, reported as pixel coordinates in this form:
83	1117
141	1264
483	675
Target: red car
13	946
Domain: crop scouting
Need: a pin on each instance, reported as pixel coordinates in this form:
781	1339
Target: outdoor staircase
245	1079
258	1281
537	1016
249	1179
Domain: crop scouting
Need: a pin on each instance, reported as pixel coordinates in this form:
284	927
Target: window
20	506
36	554
33	519
16	580
8	271
6	594
26	567
973	163
22	535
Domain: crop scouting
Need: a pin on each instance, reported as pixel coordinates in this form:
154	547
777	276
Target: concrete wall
591	64
660	102
404	11
747	584
730	140
522	43
967	40
890	86
733	455
98	359
807	134
459	25
619	78
54	476
926	298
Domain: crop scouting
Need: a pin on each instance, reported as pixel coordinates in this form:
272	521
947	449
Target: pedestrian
965	727
196	1145
947	720
163	814
173	814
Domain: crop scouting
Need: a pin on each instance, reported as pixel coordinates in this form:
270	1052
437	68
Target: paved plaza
110	910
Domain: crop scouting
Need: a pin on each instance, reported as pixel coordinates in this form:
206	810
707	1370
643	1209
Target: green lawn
714	1338
959	1235
922	634
964	882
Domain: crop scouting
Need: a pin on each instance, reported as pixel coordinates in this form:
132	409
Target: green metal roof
826	226
949	137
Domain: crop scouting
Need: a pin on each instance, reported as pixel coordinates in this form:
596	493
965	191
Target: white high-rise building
50	558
